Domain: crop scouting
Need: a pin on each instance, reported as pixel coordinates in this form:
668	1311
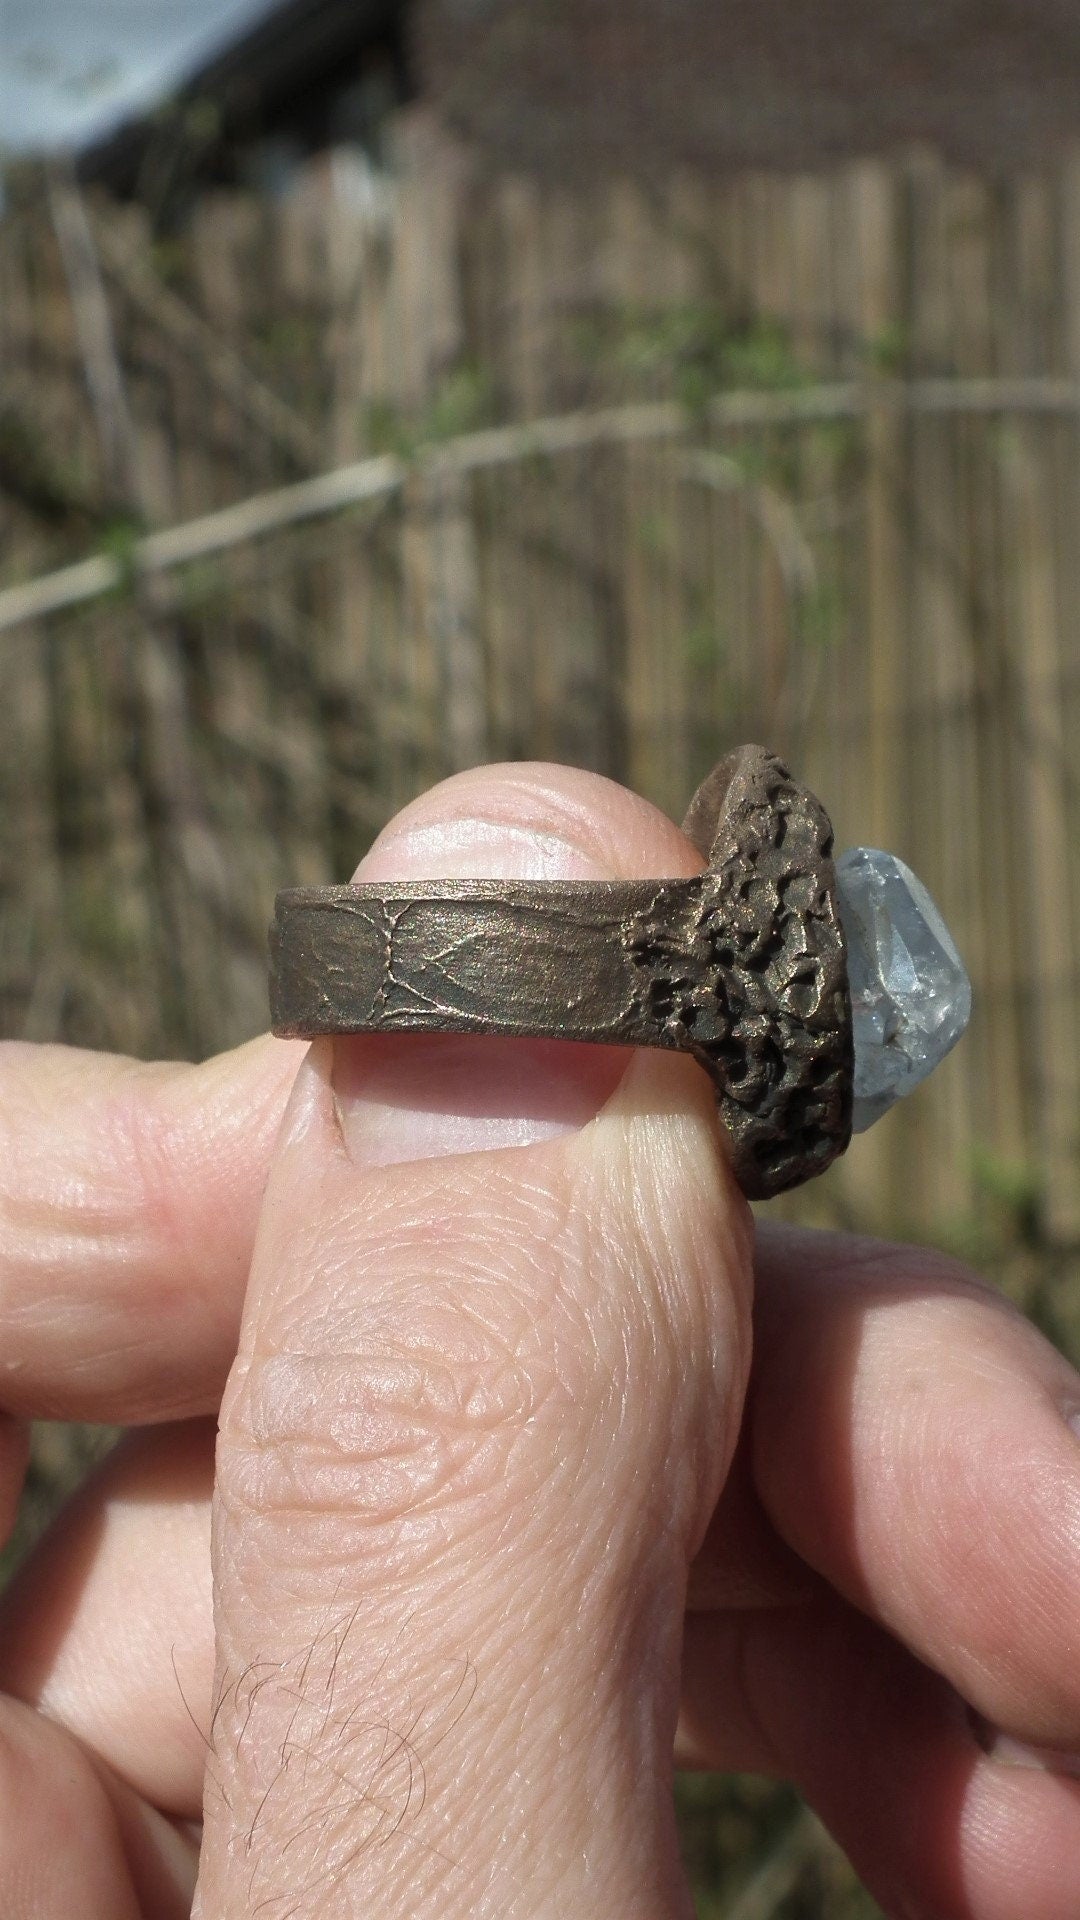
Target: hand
483	1418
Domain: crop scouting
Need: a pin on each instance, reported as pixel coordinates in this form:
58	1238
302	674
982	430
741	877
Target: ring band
743	966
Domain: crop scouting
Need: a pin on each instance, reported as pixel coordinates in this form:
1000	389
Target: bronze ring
742	966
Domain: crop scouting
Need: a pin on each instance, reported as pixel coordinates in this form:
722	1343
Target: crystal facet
910	995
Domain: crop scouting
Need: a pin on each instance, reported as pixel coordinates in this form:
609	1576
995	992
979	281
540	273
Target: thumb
482	1409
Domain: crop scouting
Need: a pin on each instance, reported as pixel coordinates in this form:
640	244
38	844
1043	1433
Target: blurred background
390	385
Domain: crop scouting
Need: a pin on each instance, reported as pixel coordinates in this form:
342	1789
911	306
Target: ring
744	966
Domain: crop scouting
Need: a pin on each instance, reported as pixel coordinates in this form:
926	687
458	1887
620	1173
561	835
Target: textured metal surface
785	1069
742	966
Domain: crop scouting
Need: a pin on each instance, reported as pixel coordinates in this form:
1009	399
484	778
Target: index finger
128	1199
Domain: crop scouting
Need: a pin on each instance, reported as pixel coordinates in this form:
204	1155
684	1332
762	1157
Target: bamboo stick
333	492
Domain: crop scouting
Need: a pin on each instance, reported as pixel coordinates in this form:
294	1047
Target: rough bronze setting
742	966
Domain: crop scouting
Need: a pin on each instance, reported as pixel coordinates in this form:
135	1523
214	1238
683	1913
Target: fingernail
414	1097
1008	1752
476	849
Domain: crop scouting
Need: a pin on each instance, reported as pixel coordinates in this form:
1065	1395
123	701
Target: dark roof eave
295	46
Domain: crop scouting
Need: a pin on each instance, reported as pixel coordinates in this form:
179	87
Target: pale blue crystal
910	995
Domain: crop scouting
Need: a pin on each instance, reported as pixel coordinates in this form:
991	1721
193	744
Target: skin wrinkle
105	1373
446	1445
147	1133
663	1360
519	1230
480	1312
413	1245
510	1629
452	1488
137	1140
409	1537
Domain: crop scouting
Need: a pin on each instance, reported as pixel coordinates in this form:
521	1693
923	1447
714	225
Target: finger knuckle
377	1432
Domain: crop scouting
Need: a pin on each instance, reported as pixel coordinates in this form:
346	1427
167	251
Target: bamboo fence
333	493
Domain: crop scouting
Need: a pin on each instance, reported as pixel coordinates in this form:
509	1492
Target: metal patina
743	966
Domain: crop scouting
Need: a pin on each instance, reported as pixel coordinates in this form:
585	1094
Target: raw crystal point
910	995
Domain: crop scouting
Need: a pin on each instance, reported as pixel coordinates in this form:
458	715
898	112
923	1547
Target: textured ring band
742	966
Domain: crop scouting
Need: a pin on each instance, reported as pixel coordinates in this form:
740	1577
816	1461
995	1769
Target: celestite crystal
910	995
